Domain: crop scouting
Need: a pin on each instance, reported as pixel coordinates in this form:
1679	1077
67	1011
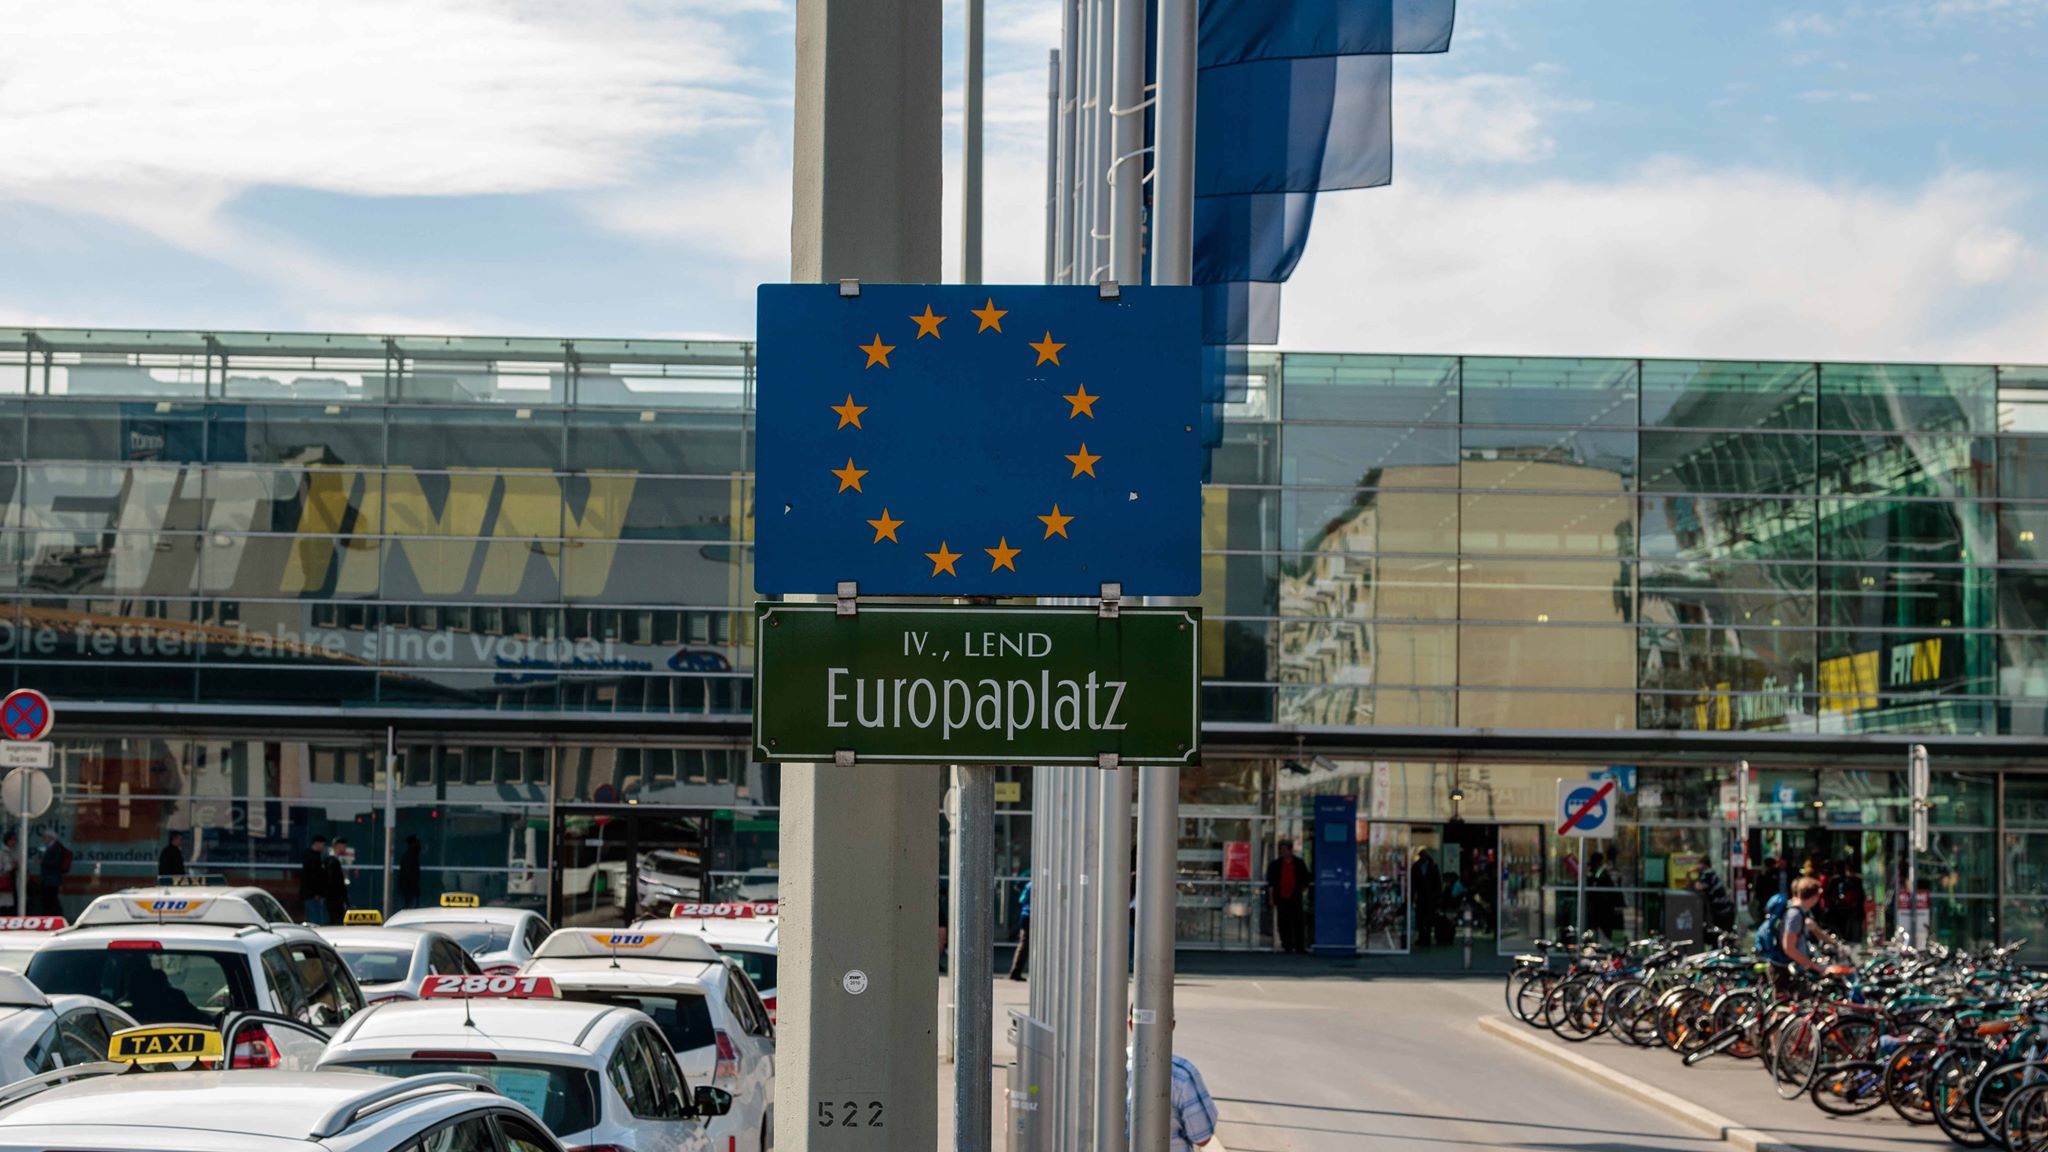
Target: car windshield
154	985
759	966
683	1017
476	938
377	965
565	1099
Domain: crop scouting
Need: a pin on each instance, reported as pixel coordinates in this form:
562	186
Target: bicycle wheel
1529	993
1949	1082
1740	1010
1905	1081
1850	1088
1581	1014
1625	1002
1995	1088
2024	1125
1794	1056
1679	1017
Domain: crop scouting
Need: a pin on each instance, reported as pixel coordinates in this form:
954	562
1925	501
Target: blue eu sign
975	440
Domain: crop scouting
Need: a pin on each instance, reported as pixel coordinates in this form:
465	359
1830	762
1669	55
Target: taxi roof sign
456	986
460	900
638	943
363	916
193	880
164	1044
755	910
16	991
32	923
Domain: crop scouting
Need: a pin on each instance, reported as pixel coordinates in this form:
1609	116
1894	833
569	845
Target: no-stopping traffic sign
26	715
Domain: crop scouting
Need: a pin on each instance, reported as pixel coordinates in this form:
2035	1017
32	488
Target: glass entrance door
1384	919
1521	887
617	866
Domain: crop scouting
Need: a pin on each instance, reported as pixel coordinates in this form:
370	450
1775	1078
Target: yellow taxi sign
460	900
165	1044
369	916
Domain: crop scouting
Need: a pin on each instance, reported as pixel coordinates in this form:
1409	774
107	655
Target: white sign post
1585	811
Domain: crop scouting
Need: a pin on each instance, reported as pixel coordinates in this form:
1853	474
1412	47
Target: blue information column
1336	865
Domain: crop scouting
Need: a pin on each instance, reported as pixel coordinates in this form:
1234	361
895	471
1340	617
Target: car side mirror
710	1101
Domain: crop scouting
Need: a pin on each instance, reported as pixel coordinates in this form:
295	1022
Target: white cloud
1674	261
1483	117
1804	24
376	97
735	206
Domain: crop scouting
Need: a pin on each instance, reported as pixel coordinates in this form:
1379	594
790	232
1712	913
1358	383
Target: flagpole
1070	35
1052	180
970	152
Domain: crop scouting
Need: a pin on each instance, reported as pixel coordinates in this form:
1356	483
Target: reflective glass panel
654	441
1727	394
1393	389
1727	528
325	434
1367	456
1725	461
1371	520
1720	592
1549	391
1906	596
1907	397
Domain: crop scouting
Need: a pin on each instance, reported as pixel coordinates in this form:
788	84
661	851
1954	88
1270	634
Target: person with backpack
1785	938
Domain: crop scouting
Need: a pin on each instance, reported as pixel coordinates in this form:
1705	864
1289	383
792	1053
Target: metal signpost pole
1159	785
1917	773
1063	159
973	952
1105	128
1091	948
860	845
21	853
1112	956
390	810
970	156
1740	857
1052	182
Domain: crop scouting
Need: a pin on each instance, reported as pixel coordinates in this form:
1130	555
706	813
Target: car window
377	965
42	1055
520	1136
266	906
632	1077
668	1080
282	976
475	937
445	959
762	1025
564	1098
82	1037
683	1017
326	982
736	1003
537	930
759	966
154	985
469	1134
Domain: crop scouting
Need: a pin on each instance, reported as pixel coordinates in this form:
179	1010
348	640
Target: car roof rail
345	1115
23	1089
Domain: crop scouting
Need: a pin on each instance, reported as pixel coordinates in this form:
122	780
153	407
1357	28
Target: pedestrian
10	861
1425	888
1020	960
1286	885
56	864
1846	899
1191	1121
171	861
1720	905
409	873
1786	938
336	876
1605	912
313	882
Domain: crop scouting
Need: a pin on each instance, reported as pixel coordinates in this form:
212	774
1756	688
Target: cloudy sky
1845	179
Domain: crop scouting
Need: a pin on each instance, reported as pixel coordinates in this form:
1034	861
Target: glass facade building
495	594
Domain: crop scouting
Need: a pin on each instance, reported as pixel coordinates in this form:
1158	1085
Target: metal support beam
970	151
973	943
860	845
1127	138
1112	958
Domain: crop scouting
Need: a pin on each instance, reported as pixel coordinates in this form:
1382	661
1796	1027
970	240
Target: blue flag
1257	237
1240	312
1234	31
1311	125
983	440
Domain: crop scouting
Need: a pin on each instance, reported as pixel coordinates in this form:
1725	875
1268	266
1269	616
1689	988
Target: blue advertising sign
978	440
1336	865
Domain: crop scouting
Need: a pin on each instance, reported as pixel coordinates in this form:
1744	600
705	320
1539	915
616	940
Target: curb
1712	1123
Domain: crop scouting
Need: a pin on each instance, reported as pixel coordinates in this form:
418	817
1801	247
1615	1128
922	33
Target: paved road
1363	1066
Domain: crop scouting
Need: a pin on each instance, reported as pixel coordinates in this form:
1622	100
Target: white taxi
748	932
393	963
41	1033
95	1107
500	939
706	1008
192	955
21	936
598	1075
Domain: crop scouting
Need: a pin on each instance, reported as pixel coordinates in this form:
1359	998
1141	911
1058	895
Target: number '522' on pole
914	683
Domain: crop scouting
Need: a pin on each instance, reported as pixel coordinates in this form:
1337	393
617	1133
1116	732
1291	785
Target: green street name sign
913	683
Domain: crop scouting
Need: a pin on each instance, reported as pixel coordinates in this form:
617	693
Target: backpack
1770	935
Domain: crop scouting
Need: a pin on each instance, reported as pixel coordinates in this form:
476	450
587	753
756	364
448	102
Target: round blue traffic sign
1577	801
26	715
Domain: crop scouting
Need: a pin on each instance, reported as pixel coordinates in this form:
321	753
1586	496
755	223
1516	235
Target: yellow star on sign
990	316
878	352
928	324
942	560
1056	524
849	412
1003	554
1047	349
1081	460
849	476
885	528
1083	403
